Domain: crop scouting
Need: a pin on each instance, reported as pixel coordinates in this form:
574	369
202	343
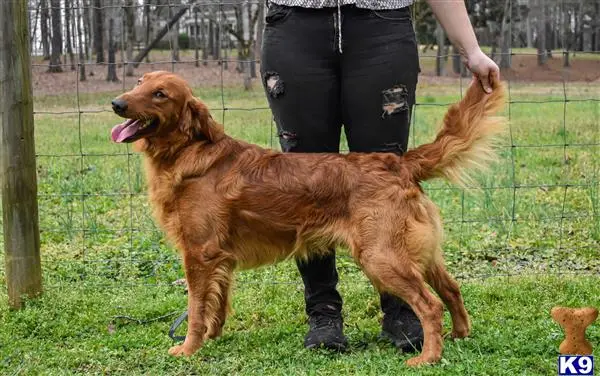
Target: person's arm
452	15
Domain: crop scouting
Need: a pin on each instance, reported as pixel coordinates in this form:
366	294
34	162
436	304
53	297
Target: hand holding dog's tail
465	142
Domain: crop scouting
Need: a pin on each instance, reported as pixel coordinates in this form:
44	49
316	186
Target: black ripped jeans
313	90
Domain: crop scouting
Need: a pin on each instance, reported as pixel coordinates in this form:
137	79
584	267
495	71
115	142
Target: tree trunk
218	44
505	37
529	30
244	44
549	38
55	61
33	33
215	39
456	61
147	18
260	25
159	36
205	39
196	36
596	42
99	31
566	25
541	33
86	28
68	29
253	43
240	20
79	41
112	64
211	36
441	42
130	21
44	21
174	35
580	24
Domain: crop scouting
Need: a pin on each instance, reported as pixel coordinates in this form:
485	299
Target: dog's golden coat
228	204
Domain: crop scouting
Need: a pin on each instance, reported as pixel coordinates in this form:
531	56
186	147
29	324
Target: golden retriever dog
227	204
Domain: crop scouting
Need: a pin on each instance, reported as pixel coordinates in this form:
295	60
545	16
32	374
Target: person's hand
483	68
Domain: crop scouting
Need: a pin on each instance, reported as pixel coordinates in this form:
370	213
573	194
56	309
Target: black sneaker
325	331
404	330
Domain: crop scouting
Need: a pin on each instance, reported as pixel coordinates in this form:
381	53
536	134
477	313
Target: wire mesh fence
537	210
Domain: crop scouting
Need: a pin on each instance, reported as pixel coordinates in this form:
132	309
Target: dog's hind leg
447	288
208	273
401	277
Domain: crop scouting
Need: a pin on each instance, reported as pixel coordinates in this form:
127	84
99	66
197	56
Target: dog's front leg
208	275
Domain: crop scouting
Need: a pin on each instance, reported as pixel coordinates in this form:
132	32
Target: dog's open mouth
132	129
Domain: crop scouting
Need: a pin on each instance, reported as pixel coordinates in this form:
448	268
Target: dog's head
163	105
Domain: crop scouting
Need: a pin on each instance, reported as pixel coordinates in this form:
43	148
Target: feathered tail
465	142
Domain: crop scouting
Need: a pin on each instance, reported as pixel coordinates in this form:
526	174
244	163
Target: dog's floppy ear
198	123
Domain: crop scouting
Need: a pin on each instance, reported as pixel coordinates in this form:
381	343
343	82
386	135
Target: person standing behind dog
353	62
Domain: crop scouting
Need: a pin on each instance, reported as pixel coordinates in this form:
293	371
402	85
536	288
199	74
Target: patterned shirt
367	4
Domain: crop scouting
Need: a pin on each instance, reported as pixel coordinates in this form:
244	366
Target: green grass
73	330
103	255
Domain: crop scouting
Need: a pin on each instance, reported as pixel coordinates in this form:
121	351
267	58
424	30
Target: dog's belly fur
258	240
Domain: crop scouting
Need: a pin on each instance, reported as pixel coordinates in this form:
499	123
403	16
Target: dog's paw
180	350
420	361
460	333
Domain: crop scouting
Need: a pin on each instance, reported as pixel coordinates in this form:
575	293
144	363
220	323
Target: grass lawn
72	330
535	218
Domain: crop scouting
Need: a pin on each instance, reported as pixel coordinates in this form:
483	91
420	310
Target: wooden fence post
17	156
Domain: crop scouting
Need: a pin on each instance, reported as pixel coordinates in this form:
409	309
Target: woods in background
64	32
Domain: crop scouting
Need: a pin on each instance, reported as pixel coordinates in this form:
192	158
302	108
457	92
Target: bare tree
567	36
205	39
196	35
86	17
34	24
457	65
68	29
81	60
147	20
214	35
98	25
441	46
174	33
55	62
529	29
161	33
112	63
541	32
505	36
259	34
130	22
44	21
596	21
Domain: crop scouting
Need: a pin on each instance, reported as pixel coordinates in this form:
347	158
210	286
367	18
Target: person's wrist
469	53
472	52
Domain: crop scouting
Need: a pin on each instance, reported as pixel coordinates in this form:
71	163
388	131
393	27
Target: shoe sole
337	347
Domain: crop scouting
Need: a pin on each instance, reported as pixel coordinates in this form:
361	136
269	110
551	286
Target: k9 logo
575	365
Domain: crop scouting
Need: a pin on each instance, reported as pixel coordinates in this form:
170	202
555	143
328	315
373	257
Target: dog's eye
139	82
159	94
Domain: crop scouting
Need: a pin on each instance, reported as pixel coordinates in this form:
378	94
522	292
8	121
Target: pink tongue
125	130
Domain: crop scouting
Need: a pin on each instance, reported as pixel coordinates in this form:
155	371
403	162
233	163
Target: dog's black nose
119	105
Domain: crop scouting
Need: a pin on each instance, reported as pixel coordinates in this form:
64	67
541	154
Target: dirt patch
584	68
211	75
